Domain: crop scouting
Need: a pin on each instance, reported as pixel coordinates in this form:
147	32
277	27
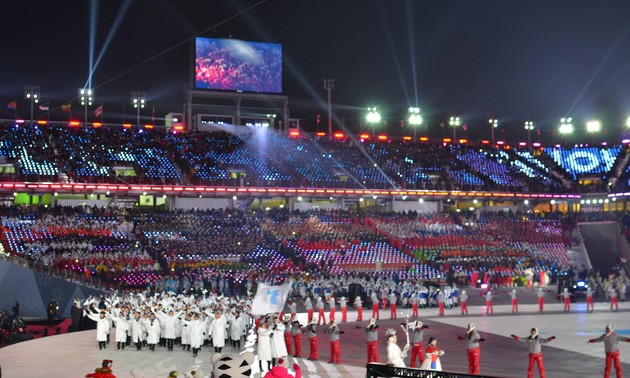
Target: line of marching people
163	320
429	355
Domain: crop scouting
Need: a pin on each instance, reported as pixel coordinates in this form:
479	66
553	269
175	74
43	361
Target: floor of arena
76	354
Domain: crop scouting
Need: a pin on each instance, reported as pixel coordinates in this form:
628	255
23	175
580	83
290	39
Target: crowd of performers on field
144	321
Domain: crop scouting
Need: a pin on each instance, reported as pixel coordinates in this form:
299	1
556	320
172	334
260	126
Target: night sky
513	60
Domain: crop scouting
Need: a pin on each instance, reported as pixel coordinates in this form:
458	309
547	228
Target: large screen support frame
234	104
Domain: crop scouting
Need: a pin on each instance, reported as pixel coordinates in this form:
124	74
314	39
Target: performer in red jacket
105	371
280	370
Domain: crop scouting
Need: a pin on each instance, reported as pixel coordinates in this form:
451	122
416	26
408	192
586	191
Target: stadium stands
54	153
141	249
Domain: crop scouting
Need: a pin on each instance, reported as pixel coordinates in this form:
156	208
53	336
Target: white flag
270	299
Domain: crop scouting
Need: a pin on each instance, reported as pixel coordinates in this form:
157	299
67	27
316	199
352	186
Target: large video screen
233	65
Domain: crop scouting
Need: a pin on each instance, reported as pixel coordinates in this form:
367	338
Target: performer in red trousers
309	308
343	303
514	297
613	299
296	332
566	298
392	305
463	300
288	335
358	303
541	299
415	338
589	300
333	333
414	304
472	340
320	311
611	347
312	338
535	351
440	300
489	308
333	308
371	332
375	309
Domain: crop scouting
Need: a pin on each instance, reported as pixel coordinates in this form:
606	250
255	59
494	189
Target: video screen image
234	65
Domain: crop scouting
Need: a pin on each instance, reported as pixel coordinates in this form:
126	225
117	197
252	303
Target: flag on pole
270	299
44	106
98	110
66	107
12	105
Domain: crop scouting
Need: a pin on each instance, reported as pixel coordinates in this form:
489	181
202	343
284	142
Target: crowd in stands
178	250
268	158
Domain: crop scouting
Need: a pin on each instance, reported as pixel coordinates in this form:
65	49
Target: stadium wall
424	207
34	290
186	203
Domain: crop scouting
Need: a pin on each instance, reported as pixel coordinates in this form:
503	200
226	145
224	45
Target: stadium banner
270	299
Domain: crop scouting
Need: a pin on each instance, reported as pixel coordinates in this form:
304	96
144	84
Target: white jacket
136	328
264	344
217	332
122	326
197	333
102	326
278	347
237	327
170	325
153	330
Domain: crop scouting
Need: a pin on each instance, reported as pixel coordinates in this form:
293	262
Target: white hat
390	332
313	321
333	323
566	289
417	324
535	329
463	291
371	322
471	327
609	328
342	298
308	299
513	290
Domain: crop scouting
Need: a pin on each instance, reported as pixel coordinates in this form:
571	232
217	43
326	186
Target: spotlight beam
394	53
600	66
112	32
412	50
93	20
